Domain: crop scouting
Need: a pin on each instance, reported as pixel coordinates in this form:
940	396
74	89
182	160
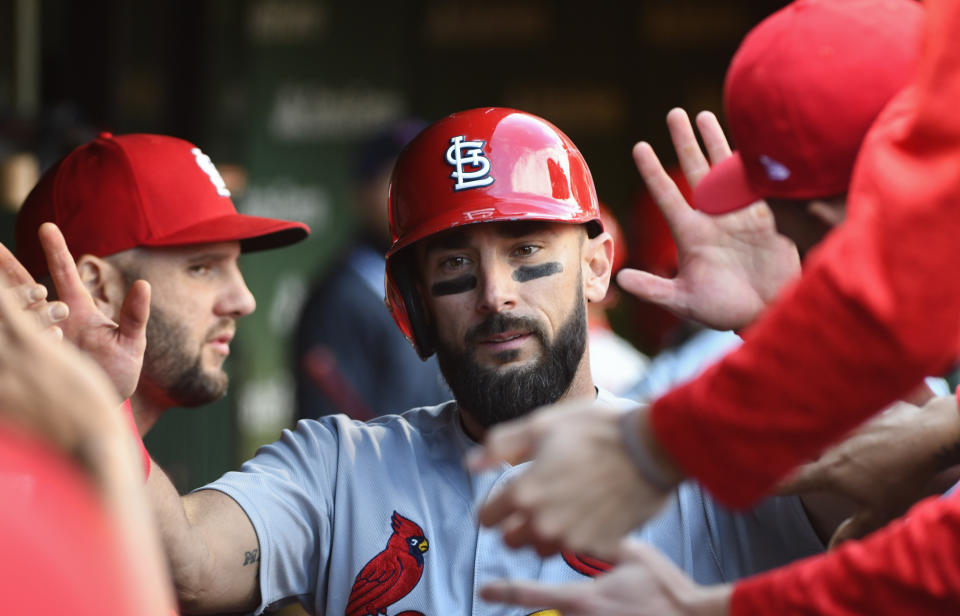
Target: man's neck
146	410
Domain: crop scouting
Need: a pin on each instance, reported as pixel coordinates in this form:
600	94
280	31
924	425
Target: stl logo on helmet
461	153
206	165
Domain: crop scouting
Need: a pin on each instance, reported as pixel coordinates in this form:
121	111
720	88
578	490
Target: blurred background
281	93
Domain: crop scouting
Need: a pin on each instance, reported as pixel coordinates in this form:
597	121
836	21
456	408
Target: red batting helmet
483	165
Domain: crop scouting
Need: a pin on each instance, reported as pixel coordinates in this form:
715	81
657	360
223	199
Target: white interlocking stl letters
204	162
461	153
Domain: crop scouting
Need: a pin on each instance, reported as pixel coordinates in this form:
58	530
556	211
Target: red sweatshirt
877	308
909	567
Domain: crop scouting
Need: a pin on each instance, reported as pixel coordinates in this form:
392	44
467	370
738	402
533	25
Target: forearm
910	566
115	465
184	546
210	545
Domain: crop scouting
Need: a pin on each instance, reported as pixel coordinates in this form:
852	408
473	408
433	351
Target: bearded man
154	207
497	248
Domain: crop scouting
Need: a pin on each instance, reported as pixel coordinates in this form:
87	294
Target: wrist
711	601
645	453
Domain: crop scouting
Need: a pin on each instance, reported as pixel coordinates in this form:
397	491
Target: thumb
856	526
650	287
135	312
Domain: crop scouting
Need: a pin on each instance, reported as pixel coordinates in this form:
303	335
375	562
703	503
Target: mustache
224	326
500	323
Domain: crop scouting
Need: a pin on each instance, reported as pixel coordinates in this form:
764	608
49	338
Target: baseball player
497	249
862	326
155	208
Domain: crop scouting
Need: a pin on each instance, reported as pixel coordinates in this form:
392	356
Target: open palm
730	266
117	346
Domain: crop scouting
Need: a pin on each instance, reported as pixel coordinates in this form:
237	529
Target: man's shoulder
420	421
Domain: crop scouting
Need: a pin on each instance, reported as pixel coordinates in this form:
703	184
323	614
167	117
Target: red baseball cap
800	94
122	191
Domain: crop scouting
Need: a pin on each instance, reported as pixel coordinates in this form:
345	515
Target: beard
173	369
493	396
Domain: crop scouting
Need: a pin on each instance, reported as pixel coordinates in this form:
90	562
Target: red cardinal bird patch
391	574
587	565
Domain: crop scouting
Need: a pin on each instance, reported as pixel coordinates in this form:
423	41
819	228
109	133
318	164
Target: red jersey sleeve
876	309
911	567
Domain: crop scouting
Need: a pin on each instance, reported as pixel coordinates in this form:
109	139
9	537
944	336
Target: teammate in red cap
155	208
864	324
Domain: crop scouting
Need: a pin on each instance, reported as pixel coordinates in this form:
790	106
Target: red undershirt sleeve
877	308
912	566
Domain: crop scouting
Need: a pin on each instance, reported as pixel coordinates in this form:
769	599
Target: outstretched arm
207	537
730	266
643	583
51	390
910	567
883	468
211	546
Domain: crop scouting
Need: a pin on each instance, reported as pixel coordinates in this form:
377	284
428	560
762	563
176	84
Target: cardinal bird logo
587	565
392	573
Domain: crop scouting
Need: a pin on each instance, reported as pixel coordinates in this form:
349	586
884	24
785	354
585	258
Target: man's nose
497	289
237	300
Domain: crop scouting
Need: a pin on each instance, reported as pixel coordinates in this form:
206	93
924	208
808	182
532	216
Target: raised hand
581	492
117	346
730	266
53	391
643	583
29	295
49	388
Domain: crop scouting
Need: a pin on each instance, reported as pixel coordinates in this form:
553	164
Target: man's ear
105	282
597	261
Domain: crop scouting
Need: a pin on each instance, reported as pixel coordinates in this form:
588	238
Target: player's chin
508	361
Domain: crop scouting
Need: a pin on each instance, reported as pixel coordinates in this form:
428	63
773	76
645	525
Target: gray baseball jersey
366	518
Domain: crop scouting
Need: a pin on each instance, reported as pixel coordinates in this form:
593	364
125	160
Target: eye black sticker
526	273
455	286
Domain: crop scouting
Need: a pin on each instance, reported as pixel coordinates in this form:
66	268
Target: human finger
49	314
651	288
29	293
856	526
513	442
63	269
135	311
713	138
663	190
534	594
15	272
692	161
15	322
55	333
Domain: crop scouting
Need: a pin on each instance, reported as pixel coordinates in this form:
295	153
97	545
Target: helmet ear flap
403	270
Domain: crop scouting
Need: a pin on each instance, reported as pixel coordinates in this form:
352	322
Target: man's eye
527	250
453	263
199	269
